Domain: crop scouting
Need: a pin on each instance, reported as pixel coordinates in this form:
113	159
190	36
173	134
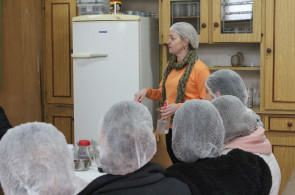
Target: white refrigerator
114	56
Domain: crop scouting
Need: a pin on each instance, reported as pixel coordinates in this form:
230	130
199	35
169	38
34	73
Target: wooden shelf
248	68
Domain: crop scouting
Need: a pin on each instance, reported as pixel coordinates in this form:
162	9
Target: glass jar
83	152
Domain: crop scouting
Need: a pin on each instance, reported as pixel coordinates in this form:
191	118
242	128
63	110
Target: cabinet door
236	21
194	12
63	119
58	46
279	55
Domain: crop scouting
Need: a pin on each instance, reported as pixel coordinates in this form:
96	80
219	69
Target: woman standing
184	77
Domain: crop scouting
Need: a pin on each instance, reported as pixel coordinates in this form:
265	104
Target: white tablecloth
90	175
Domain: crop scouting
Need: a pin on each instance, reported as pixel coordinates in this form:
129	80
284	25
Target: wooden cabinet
280	132
58	66
58	46
63	119
165	16
210	20
279	55
252	25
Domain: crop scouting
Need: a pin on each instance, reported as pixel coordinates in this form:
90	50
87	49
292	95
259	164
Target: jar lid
84	143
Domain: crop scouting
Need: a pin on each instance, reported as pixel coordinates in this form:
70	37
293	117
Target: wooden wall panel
21	60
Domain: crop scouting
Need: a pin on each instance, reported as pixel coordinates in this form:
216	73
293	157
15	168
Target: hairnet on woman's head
186	30
237	120
227	82
35	159
198	131
127	141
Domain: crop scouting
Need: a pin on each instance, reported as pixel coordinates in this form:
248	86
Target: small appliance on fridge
114	57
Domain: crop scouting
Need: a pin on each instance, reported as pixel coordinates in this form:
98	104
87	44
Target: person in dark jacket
126	144
4	123
197	140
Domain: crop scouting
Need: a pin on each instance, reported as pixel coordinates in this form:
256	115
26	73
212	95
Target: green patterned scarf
189	61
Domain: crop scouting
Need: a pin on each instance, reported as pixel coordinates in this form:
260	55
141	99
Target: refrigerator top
106	17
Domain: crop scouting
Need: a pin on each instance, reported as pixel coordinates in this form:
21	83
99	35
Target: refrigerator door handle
89	55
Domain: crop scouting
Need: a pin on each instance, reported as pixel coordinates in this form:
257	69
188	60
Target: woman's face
175	44
208	97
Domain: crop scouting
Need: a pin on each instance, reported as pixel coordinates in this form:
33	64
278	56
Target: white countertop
90	175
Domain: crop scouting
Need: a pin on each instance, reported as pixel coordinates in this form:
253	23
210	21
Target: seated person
241	131
228	82
35	159
126	144
197	140
4	123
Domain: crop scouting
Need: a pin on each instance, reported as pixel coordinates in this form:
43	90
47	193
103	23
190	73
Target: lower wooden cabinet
161	157
62	117
280	132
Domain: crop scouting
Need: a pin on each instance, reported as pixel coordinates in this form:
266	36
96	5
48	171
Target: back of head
227	82
237	120
197	131
126	139
186	30
36	161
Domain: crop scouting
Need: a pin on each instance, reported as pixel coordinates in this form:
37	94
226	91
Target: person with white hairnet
197	140
241	131
35	159
228	82
126	145
184	77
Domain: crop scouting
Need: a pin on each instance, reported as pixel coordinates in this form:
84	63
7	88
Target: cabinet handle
89	55
216	24
268	50
289	124
204	25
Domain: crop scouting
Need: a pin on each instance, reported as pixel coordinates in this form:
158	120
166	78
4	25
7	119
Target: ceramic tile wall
220	55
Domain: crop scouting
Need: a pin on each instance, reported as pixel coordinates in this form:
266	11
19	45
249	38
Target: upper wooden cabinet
58	45
279	55
191	11
215	20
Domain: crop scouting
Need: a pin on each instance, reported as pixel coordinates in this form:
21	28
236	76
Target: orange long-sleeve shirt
195	88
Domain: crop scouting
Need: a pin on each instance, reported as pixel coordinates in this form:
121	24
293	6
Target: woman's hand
169	110
139	96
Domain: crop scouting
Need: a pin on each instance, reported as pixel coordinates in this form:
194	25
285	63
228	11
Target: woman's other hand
140	95
169	110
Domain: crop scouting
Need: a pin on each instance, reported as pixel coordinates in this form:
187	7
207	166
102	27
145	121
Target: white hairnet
237	120
197	132
126	141
186	30
227	82
35	159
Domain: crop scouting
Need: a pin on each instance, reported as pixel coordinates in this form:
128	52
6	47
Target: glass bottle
250	98
256	95
83	152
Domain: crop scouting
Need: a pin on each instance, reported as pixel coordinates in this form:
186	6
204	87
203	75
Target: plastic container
116	7
163	123
83	152
93	7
